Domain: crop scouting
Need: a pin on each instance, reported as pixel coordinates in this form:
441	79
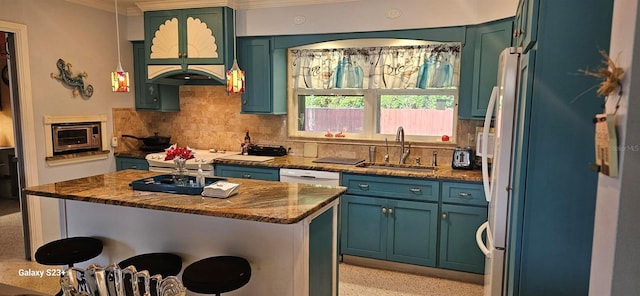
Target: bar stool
165	264
68	251
215	275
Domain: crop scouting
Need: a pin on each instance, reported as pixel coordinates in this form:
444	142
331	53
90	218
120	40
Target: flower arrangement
176	152
610	74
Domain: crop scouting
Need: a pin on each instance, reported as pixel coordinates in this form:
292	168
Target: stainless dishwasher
310	177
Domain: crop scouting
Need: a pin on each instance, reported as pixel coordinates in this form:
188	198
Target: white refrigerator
497	184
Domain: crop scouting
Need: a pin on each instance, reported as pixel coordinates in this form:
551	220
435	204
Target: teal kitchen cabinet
398	219
525	26
490	40
554	191
458	248
396	223
464	209
392	187
479	65
463	194
363	227
151	96
412	232
265	76
125	163
387	229
247	172
321	250
198	40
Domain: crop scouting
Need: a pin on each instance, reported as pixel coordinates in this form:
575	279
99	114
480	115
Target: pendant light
235	76
119	78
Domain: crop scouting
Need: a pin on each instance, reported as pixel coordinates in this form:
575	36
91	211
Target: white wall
615	264
360	16
86	38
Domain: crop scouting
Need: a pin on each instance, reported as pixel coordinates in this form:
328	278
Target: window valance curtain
401	67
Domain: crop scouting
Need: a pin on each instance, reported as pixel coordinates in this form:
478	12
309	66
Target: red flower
179	152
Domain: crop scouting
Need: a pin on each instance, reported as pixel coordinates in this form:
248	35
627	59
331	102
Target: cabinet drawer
463	193
392	187
124	163
247	172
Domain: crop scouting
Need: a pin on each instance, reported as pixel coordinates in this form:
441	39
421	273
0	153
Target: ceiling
136	7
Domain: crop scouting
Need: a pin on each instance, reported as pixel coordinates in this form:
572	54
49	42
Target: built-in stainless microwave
76	137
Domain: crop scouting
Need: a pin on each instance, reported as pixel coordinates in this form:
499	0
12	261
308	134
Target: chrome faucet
405	154
400	139
434	161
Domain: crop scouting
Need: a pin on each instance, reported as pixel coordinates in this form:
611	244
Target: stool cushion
165	264
215	275
69	251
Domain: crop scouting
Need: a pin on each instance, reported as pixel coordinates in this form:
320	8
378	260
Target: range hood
189	46
189	78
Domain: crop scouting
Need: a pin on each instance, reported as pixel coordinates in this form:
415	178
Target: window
366	93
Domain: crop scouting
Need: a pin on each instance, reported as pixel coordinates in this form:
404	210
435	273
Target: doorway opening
13	204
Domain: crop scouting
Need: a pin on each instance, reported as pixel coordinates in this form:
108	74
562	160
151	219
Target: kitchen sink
398	167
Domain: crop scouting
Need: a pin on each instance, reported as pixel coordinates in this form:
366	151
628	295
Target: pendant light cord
235	35
118	38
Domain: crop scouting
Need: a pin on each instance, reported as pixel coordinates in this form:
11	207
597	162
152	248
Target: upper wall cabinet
194	41
479	69
490	40
265	76
525	25
151	96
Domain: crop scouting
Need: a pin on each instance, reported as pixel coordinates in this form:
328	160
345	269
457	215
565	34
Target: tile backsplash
209	118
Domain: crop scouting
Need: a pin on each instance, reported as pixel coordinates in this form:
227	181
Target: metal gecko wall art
77	83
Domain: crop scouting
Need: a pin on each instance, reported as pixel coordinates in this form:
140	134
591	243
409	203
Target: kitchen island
288	232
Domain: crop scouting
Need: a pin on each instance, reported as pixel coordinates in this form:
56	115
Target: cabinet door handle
444	216
363	186
415	190
384	210
246	176
244	102
390	211
464	194
134	166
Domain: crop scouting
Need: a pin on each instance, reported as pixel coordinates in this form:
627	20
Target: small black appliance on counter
462	158
265	150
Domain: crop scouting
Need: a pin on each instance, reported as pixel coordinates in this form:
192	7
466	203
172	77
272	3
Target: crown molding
256	4
137	7
150	5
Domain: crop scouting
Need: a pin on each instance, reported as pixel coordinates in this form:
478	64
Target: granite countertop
443	172
282	203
